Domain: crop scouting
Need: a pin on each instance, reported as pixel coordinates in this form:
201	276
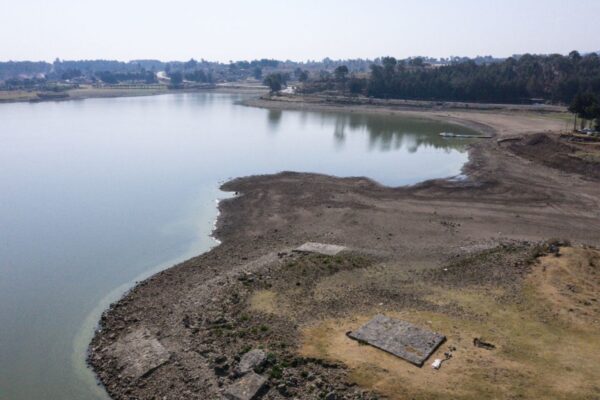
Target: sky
291	29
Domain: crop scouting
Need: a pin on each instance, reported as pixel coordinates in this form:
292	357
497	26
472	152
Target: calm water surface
95	194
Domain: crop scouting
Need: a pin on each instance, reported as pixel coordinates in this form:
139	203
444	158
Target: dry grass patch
544	350
264	301
16	95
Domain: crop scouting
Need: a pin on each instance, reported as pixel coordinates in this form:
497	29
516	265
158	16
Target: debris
477	342
246	388
399	338
250	360
510	139
437	364
320	248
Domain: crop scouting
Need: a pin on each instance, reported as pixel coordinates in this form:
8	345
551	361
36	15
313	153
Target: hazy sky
289	29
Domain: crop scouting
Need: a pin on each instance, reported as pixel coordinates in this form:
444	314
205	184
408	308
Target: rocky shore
254	317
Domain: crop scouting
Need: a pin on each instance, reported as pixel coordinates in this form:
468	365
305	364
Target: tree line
549	78
586	106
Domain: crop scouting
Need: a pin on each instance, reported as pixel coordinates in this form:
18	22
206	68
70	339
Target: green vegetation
275	81
552	78
519	79
586	106
176	79
142	76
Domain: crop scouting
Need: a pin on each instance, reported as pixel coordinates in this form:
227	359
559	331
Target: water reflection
385	132
274	117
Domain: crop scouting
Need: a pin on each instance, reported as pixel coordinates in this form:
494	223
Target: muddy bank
562	153
321	101
114	92
191	324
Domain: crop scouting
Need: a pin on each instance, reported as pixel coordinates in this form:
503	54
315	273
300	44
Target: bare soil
561	153
89	92
465	258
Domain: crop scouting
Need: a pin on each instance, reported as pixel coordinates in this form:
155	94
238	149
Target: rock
221	367
283	390
331	396
221	370
250	360
320	248
247	388
220	359
139	353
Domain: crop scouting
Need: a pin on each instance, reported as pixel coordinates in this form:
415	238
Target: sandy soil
444	254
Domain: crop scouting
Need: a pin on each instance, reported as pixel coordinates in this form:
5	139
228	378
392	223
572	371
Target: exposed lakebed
95	194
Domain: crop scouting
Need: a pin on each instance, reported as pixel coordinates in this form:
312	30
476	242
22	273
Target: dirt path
252	291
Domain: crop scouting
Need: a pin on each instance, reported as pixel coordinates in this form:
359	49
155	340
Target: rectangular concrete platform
320	248
399	338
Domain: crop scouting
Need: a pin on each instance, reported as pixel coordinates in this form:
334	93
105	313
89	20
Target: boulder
250	360
247	388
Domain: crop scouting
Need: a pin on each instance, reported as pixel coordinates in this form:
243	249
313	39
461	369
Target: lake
99	193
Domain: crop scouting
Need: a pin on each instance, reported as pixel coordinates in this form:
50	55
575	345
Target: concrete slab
399	338
247	388
251	360
321	248
139	353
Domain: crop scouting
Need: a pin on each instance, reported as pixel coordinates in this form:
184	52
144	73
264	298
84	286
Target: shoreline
91	323
325	102
275	213
101	93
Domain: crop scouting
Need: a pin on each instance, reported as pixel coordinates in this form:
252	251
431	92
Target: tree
356	85
324	75
196	76
107	77
585	106
416	62
297	72
275	82
554	78
341	73
389	63
575	56
303	76
70	74
176	79
257	73
191	65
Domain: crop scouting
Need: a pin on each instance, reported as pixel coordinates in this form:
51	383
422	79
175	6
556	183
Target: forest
520	79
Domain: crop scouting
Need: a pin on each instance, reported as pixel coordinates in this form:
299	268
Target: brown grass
547	338
264	301
16	95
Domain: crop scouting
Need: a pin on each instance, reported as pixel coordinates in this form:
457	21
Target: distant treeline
199	71
553	78
232	71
